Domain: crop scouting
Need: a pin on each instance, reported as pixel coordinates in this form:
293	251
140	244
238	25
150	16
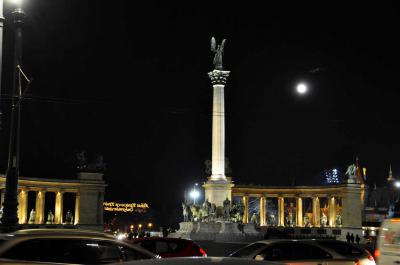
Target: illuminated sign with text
125	207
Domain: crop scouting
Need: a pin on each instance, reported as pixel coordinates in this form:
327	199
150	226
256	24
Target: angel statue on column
219	51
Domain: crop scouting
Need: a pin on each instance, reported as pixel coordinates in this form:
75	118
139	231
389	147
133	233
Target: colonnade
41	217
298	218
89	196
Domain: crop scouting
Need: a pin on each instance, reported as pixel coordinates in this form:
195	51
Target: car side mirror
259	257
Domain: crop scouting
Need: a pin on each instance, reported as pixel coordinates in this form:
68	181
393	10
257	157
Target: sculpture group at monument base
218	232
245	233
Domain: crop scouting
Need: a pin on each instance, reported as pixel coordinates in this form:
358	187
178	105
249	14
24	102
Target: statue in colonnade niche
338	220
324	220
69	219
254	219
289	219
32	217
272	219
50	218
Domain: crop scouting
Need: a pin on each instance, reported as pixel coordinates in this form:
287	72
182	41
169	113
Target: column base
216	191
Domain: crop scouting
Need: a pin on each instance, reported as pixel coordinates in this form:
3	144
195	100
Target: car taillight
356	262
370	257
203	252
377	253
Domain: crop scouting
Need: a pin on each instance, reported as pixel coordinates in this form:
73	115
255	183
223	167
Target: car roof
56	232
199	261
272	241
162	238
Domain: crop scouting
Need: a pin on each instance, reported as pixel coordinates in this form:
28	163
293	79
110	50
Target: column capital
218	77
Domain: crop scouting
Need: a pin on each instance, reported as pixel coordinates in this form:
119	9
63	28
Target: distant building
331	176
381	200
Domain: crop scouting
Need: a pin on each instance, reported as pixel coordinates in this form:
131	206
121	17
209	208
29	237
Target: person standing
358	239
352	238
348	237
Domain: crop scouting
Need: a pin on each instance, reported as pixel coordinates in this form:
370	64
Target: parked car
170	247
67	246
200	261
388	243
305	251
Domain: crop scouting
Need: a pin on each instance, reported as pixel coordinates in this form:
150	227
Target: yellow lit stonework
89	189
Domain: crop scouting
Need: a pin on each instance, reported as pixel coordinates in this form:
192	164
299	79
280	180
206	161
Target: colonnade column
299	208
78	206
59	208
281	211
22	206
263	211
332	211
3	192
40	195
316	211
245	200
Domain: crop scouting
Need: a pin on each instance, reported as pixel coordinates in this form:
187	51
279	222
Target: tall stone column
78	206
58	216
218	187
332	211
40	195
22	206
245	200
316	211
263	211
281	211
299	208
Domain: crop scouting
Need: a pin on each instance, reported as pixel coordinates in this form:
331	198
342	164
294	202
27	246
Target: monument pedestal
216	191
213	231
230	232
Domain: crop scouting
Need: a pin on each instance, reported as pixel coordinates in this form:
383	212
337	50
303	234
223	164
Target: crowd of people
350	238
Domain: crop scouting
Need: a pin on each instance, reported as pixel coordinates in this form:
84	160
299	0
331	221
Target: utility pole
10	216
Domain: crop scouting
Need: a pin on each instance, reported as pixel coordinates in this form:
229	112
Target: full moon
301	88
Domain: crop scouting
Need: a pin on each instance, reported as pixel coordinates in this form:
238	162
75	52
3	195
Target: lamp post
10	217
1	56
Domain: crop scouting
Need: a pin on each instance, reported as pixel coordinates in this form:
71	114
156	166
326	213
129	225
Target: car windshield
342	248
248	250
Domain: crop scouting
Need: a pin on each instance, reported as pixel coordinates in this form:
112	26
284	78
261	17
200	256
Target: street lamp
301	88
10	217
194	194
397	184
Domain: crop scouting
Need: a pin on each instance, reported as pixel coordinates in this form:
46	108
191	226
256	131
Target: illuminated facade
302	206
88	191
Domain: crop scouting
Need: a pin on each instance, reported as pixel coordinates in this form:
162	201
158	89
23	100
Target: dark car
67	246
305	251
170	247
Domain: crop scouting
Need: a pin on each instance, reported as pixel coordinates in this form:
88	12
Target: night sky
130	82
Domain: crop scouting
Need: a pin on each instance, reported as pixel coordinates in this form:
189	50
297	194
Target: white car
67	246
388	245
318	252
